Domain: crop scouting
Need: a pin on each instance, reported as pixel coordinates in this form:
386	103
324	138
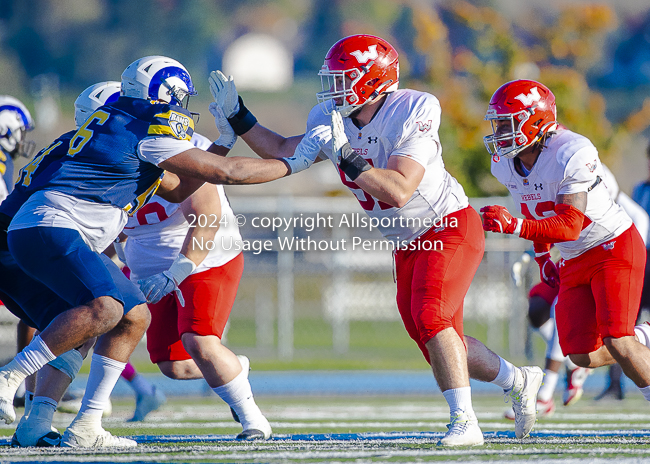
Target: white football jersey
406	125
157	231
568	164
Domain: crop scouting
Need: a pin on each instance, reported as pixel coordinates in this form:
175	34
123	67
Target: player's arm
394	185
176	189
204	203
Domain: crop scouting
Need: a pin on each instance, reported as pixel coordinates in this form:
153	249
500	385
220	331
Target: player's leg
148	398
24	335
209	297
431	286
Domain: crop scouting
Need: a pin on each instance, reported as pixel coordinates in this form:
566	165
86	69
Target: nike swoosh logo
507	220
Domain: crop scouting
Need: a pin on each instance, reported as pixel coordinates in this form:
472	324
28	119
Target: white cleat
575	380
524	398
8	388
93	438
463	431
144	404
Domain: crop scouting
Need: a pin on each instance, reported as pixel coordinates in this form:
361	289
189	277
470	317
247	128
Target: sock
29	397
570	364
141	385
104	374
547	389
506	376
642	333
646	392
29	360
43	409
129	372
546	330
238	395
459	400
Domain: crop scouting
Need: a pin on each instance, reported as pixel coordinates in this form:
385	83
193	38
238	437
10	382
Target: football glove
159	285
308	149
227	136
498	219
224	93
349	161
547	269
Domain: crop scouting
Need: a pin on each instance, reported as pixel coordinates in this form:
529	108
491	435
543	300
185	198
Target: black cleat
612	392
48	440
251	435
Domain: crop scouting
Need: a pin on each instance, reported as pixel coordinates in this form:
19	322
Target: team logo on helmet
364	57
529	99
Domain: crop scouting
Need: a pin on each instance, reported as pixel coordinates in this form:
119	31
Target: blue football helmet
158	78
92	98
15	120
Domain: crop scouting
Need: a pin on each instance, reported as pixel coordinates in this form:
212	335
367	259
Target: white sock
238	395
570	364
506	376
104	374
29	397
547	389
459	400
642	332
43	409
141	385
546	330
646	392
29	360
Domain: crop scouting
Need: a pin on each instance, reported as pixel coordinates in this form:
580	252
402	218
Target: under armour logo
609	246
372	139
424	126
539	186
529	99
363	57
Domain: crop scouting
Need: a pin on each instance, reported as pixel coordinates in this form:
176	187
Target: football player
15	121
79	204
387	151
558	181
185	246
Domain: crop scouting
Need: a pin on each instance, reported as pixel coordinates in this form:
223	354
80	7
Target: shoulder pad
172	120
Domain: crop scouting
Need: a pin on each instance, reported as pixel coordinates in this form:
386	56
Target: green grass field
379	429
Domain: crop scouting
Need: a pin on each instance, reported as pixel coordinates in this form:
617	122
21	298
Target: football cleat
93	437
544	409
614	391
524	395
28	438
144	404
463	431
575	380
8	388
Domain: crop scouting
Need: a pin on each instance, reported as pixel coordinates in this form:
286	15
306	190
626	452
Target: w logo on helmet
363	57
529	99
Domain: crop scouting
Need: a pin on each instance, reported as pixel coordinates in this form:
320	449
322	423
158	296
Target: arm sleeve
564	227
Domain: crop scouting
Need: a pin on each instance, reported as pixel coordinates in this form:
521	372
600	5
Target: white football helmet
92	98
158	78
15	120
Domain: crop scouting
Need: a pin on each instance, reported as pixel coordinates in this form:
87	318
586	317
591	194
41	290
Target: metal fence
312	273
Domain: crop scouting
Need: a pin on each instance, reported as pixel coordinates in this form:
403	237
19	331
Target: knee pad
69	363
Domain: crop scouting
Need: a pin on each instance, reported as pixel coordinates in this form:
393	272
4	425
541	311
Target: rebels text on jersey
406	125
568	164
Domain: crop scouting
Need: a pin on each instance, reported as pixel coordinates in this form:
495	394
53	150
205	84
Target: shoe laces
458	426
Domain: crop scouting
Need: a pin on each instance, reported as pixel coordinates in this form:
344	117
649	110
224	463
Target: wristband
181	268
243	120
352	164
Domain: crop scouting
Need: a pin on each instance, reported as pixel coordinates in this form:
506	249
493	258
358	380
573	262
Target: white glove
224	93
308	149
338	135
159	285
227	136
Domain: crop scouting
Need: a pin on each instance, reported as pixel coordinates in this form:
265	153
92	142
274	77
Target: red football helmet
521	112
357	69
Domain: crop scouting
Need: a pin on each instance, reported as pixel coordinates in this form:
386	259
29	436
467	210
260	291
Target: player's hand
224	92
349	161
158	286
308	149
498	219
227	136
548	270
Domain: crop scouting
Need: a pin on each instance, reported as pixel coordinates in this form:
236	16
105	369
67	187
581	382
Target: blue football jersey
41	161
102	163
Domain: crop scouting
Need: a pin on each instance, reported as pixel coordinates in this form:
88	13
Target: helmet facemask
506	143
338	86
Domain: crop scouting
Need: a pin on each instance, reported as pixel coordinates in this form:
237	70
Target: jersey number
27	172
540	208
368	202
83	135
